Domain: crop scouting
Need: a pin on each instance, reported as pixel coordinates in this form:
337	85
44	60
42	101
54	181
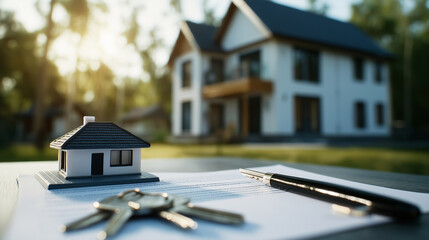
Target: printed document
269	213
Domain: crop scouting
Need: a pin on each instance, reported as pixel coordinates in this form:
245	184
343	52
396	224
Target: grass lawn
399	160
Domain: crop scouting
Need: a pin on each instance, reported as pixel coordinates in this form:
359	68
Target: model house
274	71
98	149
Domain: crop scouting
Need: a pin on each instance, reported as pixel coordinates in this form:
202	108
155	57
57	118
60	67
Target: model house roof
290	23
98	135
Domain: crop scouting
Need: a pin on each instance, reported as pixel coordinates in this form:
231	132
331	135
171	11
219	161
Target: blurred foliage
20	60
403	28
381	159
23	52
209	14
15	153
159	77
317	7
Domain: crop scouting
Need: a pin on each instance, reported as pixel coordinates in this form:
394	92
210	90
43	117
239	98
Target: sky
105	42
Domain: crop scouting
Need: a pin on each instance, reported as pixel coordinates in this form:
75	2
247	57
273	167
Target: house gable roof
204	36
290	23
98	135
194	36
276	20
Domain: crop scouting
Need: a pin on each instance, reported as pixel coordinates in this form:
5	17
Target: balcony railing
243	71
237	82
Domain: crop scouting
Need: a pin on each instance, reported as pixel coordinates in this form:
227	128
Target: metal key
91	219
160	203
132	203
150	203
122	212
177	218
182	205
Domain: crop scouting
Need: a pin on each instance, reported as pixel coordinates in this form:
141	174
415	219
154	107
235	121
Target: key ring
137	191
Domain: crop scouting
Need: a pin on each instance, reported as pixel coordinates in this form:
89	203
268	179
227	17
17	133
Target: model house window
121	158
306	65
186	116
379	114
186	74
358	68
378	72
360	114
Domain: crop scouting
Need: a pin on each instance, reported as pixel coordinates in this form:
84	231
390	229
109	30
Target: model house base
54	180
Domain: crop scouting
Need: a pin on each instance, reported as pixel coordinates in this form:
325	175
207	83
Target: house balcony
239	82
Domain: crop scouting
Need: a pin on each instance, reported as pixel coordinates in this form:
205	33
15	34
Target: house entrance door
216	118
307	120
97	164
255	115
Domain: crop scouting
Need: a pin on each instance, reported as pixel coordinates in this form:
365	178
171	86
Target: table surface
415	230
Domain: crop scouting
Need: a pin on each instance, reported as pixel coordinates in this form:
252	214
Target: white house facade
286	73
98	149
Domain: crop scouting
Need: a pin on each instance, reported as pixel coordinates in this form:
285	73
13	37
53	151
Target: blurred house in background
151	123
271	71
56	121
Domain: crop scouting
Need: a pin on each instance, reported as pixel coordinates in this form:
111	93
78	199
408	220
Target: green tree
402	29
20	62
159	77
209	14
316	7
40	102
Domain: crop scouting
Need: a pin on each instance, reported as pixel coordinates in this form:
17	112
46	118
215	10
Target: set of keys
134	203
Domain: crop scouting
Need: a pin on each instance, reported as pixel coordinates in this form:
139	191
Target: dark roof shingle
98	135
290	22
284	21
204	36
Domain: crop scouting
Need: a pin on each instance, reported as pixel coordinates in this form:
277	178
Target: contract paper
269	213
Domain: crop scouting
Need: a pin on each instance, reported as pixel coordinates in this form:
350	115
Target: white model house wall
78	162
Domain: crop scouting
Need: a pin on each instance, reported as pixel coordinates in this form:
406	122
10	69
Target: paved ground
321	143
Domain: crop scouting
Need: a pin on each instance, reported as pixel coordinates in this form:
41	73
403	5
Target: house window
186	116
379	114
215	74
63	160
360	114
378	72
358	68
306	65
186	74
250	64
121	158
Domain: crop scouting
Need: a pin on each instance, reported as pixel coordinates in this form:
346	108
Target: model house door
63	160
97	164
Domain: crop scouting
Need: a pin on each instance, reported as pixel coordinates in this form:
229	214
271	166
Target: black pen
342	195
